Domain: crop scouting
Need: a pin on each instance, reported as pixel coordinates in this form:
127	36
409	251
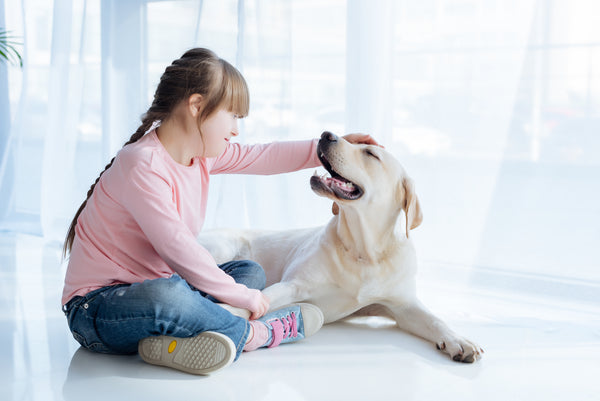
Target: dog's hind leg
374	310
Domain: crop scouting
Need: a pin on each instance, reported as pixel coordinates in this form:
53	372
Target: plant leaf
8	51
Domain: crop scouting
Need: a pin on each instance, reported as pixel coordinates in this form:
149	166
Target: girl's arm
265	159
275	157
148	197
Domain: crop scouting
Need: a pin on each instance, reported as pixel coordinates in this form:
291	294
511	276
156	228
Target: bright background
492	106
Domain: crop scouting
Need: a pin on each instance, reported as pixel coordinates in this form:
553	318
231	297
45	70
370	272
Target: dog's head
366	177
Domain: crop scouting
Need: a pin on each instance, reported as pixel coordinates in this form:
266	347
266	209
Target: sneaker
205	353
292	323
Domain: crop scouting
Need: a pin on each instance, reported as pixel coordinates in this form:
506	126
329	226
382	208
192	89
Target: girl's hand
262	309
362	139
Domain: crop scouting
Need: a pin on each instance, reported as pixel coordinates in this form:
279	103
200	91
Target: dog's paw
460	349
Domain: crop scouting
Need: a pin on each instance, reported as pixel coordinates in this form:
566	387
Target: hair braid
147	121
197	71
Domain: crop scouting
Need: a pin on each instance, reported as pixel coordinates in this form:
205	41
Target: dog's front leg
283	293
416	319
279	294
244	313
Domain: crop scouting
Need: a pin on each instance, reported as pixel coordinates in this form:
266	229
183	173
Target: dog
360	263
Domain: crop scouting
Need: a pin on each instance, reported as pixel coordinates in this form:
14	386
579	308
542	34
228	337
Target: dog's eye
369	152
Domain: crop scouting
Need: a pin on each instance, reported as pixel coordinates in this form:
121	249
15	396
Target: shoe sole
203	354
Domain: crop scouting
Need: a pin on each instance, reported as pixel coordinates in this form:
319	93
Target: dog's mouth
335	185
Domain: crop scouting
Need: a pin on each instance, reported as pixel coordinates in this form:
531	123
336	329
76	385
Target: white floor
536	348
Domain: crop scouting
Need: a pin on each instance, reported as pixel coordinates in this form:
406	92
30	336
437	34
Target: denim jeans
113	319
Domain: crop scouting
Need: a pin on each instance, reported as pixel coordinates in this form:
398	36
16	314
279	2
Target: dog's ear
335	209
411	206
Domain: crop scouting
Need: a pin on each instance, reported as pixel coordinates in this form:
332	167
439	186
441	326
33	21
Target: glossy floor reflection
537	348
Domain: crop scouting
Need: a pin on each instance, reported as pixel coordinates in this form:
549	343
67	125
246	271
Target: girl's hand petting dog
361	139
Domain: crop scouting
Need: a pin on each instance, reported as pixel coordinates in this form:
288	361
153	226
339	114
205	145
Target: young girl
137	280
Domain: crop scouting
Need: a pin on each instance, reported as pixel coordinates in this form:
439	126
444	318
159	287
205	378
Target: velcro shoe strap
277	333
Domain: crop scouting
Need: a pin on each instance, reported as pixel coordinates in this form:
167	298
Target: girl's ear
195	104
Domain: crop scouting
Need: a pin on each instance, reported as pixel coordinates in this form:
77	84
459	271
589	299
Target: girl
137	280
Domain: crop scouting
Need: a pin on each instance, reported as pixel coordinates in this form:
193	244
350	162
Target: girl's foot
200	355
289	324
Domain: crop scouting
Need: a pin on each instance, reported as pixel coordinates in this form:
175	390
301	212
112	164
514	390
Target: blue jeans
113	319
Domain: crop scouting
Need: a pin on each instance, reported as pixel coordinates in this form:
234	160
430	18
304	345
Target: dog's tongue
345	185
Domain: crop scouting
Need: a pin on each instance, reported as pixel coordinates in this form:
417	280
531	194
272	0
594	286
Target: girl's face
217	130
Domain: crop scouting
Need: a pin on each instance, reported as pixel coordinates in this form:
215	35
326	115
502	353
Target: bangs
237	97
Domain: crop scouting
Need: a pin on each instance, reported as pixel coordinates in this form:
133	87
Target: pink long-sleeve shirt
145	213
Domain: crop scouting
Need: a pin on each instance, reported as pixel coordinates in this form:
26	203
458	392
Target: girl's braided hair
198	71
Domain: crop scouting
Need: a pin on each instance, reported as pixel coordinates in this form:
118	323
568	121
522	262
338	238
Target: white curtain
492	107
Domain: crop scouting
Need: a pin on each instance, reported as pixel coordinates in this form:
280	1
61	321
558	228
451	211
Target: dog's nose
328	136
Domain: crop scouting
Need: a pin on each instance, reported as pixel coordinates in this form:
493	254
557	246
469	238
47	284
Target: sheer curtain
492	107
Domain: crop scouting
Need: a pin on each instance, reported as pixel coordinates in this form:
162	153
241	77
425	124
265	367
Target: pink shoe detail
283	328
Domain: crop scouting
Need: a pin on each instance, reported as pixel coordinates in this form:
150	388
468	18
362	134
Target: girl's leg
115	319
246	272
175	320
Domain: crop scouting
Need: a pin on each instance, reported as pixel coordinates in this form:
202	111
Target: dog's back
273	250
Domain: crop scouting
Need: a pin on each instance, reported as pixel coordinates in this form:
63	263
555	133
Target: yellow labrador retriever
358	264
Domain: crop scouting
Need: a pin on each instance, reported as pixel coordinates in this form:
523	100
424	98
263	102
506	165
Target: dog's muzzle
336	184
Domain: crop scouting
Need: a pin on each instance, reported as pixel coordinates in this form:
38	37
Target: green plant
8	51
